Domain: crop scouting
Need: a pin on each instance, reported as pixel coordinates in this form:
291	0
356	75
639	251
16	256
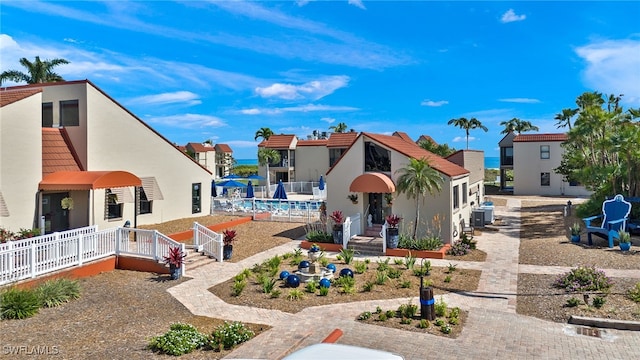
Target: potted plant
393	233
575	232
67	203
624	240
175	260
353	198
388	198
338	222
229	236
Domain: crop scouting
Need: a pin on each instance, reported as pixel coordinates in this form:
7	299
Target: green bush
423	324
634	294
427	243
440	307
360	267
599	301
238	286
368	286
228	335
573	302
18	303
394	273
319	236
584	278
56	292
365	315
347	255
180	339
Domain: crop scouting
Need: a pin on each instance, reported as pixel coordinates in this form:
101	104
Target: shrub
365	315
451	268
439	322
394	273
454	321
347	255
268	285
599	301
275	293
405	284
391	314
398	261
458	248
383	265
405	321
378	309
447	279
382	316
180	339
295	294
319	236
368	286
634	294
56	292
238	286
409	261
423	324
454	313
466	239
573	302
408	310
324	291
360	267
228	335
440	307
311	286
445	328
381	277
584	278
427	243
18	304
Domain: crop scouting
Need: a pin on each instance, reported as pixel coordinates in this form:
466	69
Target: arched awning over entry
88	180
372	183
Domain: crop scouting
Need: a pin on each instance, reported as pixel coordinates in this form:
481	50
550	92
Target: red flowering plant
393	220
176	256
337	218
229	236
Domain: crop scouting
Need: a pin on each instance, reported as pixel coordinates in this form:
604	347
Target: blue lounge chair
615	214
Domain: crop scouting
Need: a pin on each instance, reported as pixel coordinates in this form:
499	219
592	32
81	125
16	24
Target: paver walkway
493	329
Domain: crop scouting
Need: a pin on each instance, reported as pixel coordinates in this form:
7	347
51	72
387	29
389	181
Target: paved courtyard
493	329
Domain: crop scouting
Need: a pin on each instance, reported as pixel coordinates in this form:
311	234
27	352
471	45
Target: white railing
19	261
49	237
207	241
383	235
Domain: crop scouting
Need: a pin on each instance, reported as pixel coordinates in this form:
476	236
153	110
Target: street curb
605	323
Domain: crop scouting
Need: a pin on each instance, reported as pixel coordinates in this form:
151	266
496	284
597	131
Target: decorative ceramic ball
293	281
332	268
284	274
346	272
326	283
303	264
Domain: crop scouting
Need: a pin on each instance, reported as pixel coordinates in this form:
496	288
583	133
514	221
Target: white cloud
189	121
612	67
168	98
328	120
520	100
510	16
463	139
313	90
357	3
432	103
301	108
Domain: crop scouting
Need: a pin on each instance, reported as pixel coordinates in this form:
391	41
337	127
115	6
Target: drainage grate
589	331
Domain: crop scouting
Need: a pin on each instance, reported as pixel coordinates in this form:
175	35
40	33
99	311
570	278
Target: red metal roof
540	137
412	150
278	142
9	96
223	148
57	152
342	140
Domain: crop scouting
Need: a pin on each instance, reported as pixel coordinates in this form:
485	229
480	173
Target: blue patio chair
615	214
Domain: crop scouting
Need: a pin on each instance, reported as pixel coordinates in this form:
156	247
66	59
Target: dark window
113	208
196	202
47	114
146	205
334	155
456	197
506	156
69	113
545	152
376	158
574	183
545	179
464	193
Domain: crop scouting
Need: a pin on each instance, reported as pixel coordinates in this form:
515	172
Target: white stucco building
72	140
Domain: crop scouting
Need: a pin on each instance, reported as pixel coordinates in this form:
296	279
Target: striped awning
151	188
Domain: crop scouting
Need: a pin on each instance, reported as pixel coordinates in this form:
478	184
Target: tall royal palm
467	125
264	133
564	118
518	126
417	179
339	128
265	157
38	71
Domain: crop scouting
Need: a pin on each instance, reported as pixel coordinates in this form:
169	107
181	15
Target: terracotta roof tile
412	150
9	96
426	138
223	148
403	135
57	152
279	142
342	140
540	137
200	148
318	142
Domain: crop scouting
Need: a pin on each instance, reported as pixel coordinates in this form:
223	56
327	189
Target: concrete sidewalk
493	329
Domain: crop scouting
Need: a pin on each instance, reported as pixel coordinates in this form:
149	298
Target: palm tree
339	128
467	125
265	157
264	133
416	180
38	71
564	118
517	125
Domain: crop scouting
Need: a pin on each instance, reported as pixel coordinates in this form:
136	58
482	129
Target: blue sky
198	70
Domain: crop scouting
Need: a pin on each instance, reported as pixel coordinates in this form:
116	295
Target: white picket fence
207	241
39	255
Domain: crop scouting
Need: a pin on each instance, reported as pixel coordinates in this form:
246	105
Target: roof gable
403	135
342	140
223	148
9	95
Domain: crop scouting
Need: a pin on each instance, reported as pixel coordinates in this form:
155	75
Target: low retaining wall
324	246
423	254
